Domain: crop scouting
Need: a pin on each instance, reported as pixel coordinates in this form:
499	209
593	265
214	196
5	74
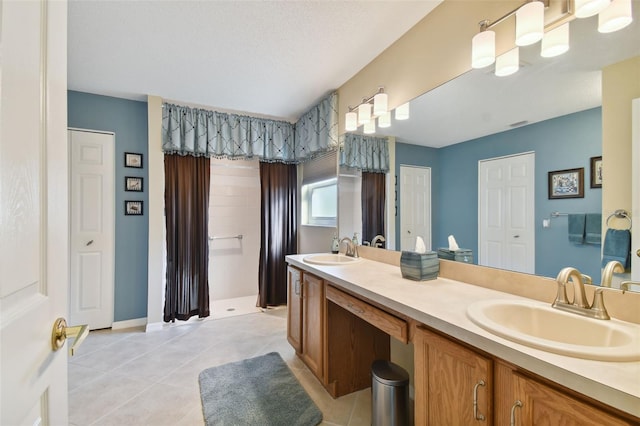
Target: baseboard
137	322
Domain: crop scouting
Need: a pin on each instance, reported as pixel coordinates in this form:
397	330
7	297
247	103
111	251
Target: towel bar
239	237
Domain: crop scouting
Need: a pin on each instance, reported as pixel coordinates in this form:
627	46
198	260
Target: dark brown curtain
186	198
373	202
278	237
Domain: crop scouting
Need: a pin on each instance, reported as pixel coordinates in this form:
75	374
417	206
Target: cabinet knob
476	415
515	405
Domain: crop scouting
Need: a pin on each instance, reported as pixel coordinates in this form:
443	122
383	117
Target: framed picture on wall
596	172
566	184
133	208
131	159
133	183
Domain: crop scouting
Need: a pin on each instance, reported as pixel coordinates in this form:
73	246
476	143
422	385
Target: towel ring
620	214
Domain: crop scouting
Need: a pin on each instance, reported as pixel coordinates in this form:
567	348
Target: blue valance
367	153
199	132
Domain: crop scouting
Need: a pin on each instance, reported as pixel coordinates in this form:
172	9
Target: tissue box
460	255
419	266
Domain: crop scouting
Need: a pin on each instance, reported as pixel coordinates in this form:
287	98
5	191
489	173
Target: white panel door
33	211
635	191
506	213
415	207
92	228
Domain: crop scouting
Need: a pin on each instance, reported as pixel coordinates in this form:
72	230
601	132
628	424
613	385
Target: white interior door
415	206
92	228
506	213
635	191
33	211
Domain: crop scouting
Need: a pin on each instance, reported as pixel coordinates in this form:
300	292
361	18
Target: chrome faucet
352	249
377	241
607	273
579	305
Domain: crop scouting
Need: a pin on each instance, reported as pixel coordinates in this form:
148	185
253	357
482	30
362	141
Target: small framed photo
133	183
133	208
566	184
596	172
131	159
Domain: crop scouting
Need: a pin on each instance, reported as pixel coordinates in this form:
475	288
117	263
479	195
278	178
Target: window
320	203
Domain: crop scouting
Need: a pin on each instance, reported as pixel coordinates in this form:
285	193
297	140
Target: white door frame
635	188
100	315
428	225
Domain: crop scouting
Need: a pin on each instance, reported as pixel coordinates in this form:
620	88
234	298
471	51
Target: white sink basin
538	325
330	259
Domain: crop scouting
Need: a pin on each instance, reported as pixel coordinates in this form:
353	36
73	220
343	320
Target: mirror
549	100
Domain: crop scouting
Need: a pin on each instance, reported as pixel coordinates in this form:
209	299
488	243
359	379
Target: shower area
234	236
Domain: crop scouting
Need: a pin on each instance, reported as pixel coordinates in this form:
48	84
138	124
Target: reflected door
415	207
506	237
635	191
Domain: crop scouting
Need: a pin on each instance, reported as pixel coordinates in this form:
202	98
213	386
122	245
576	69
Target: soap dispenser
335	245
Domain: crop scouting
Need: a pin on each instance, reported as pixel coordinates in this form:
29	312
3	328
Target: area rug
255	391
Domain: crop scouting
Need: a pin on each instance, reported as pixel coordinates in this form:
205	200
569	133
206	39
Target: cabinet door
545	406
312	323
453	384
294	308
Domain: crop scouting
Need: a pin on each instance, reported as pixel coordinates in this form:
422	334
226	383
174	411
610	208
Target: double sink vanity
488	348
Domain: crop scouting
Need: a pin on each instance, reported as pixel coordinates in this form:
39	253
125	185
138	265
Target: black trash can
389	394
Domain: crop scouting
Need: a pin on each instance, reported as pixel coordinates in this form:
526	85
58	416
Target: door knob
638	252
60	333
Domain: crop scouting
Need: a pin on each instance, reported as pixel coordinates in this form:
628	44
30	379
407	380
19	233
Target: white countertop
442	303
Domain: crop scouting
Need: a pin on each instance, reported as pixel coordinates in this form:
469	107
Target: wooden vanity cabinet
453	384
313	325
294	308
545	403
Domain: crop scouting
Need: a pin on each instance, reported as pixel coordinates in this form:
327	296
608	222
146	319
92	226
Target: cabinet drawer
393	326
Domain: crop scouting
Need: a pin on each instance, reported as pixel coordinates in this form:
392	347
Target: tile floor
129	377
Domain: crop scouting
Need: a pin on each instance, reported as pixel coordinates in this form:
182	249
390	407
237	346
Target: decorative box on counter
419	266
460	255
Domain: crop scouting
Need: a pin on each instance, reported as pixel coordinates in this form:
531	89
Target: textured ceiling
270	58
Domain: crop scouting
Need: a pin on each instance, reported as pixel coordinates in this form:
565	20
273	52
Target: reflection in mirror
551	107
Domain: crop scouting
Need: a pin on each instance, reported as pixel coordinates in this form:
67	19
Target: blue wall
565	142
128	120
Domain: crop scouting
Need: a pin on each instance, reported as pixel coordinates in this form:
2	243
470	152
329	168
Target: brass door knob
638	252
60	332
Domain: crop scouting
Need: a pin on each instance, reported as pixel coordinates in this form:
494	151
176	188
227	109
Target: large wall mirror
550	107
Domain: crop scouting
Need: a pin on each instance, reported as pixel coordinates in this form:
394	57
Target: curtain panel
317	130
279	236
202	133
373	205
187	216
367	153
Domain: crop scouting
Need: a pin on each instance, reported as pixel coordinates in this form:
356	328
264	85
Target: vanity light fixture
615	17
384	120
587	8
508	63
529	23
483	47
402	112
380	103
555	42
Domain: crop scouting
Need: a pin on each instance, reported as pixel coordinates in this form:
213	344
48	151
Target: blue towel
593	228
576	228
617	246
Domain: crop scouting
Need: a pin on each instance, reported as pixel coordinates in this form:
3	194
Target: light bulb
483	49
384	120
370	127
351	121
587	8
364	113
380	104
529	23
555	42
402	112
508	63
615	17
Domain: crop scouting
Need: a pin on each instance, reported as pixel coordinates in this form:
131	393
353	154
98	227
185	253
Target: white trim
80	129
506	156
137	322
